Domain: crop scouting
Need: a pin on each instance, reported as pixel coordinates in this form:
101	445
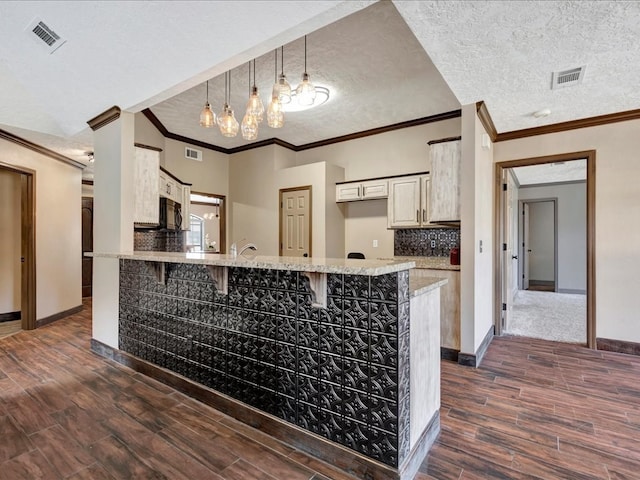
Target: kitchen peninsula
345	353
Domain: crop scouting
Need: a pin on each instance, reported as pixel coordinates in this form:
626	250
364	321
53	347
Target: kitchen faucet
233	251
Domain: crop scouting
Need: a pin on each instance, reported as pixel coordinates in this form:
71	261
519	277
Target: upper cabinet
444	193
365	190
186	207
408	204
146	177
169	187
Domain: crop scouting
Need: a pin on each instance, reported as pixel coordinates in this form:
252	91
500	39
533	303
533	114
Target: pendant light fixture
226	120
255	107
249	126
275	114
306	92
207	117
284	89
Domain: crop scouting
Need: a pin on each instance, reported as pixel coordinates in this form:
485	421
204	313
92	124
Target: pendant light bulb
284	88
207	117
306	92
255	107
275	114
249	127
227	121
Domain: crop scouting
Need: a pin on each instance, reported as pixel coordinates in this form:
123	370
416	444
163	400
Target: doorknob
305	255
529	250
514	257
21	259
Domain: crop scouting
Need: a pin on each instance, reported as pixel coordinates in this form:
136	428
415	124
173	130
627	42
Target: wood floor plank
13	441
80	425
57	446
28	466
121	463
242	470
92	472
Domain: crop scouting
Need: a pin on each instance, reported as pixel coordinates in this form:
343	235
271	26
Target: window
195	236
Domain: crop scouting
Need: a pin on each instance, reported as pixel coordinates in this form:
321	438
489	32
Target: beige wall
476	228
10	247
58	228
397	152
617	212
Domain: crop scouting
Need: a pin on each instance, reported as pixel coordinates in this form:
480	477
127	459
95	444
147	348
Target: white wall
476	228
572	231
617	231
542	262
397	152
58	228
10	238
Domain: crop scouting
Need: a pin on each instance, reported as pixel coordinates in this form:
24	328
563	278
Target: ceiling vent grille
567	78
44	35
193	154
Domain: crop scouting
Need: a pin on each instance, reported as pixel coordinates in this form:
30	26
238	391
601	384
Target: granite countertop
420	285
297	264
429	263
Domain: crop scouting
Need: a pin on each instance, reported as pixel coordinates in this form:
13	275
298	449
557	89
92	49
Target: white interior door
526	250
510	265
295	222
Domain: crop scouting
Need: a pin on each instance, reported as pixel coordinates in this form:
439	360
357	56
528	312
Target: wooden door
87	245
295	222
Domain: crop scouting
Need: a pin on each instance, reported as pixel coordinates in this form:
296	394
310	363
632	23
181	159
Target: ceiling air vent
44	35
193	154
567	78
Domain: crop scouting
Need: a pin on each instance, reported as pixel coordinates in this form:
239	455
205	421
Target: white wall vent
193	154
44	35
567	78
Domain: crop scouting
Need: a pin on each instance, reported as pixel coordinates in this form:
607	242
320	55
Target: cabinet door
403	208
146	178
173	190
186	207
347	192
162	184
375	189
425	216
445	182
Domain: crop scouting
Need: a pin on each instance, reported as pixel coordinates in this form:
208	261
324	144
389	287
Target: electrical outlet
375	244
433	244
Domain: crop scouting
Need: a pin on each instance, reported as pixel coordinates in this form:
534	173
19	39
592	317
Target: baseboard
340	457
409	469
618	346
57	316
545	283
572	290
447	353
10	316
475	359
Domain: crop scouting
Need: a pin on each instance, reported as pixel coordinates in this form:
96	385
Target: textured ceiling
552	172
503	52
376	70
140	54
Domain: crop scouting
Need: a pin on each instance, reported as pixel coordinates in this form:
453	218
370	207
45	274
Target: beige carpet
561	317
9	328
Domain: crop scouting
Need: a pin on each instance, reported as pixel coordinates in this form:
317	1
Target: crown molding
104	118
298	148
486	120
40	149
570	125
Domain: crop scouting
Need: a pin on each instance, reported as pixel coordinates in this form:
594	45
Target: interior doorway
295	222
566	310
25	183
87	246
538	247
207	223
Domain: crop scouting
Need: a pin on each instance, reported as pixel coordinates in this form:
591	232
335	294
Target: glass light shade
284	89
207	117
306	92
275	114
255	107
249	127
227	121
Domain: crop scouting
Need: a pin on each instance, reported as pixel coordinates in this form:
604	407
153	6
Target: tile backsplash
158	241
418	242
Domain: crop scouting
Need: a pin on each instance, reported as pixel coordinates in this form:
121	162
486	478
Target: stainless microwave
170	215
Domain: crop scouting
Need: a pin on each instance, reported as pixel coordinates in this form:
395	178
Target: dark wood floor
534	409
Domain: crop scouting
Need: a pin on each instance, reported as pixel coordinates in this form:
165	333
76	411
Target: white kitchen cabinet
186	207
146	178
408	205
169	187
444	195
365	190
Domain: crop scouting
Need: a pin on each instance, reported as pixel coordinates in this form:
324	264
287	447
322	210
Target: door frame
280	219
590	156
27	244
222	211
521	203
